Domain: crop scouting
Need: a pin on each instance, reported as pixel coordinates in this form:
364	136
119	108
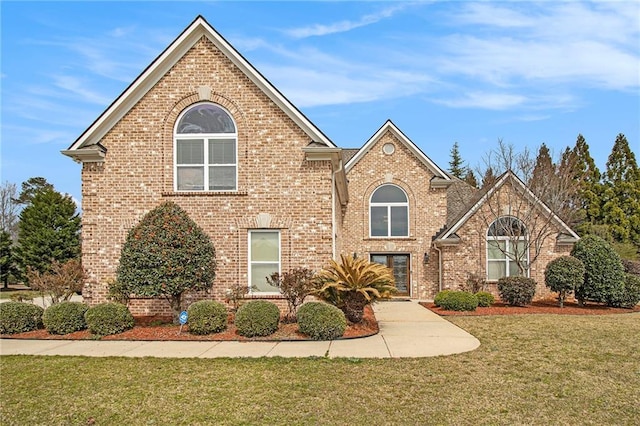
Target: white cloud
78	88
484	100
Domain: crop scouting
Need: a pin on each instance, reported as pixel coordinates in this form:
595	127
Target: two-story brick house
203	128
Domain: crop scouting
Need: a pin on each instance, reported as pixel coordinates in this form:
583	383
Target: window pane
514	271
496	270
222	178
206	118
222	151
190	178
259	272
399	222
389	194
190	151
379	258
494	251
264	246
379	222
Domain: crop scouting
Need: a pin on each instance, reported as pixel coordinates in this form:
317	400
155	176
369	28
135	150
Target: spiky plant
353	284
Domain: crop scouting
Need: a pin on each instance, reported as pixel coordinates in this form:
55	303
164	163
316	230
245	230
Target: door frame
389	265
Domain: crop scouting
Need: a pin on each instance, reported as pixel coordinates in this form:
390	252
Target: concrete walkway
407	330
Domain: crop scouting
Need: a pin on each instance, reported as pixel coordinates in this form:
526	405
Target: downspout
333	209
439	266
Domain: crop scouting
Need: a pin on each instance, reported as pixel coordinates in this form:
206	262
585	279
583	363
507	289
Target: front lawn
530	369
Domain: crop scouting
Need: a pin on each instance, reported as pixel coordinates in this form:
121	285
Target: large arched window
507	249
389	212
205	150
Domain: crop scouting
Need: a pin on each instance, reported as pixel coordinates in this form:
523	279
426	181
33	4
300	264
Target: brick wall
293	195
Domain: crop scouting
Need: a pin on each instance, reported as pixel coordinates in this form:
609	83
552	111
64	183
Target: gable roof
388	126
450	231
161	65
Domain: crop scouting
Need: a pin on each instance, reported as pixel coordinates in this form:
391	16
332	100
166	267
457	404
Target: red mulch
538	307
153	328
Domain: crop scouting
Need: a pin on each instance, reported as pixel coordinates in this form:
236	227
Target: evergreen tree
49	230
30	188
6	258
587	174
470	178
489	178
543	172
456	164
621	198
166	254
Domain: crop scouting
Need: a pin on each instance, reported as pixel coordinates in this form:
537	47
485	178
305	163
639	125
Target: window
264	260
205	150
389	212
506	242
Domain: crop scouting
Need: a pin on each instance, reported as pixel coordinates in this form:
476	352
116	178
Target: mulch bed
153	329
538	307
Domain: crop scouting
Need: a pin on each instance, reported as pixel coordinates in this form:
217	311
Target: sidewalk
407	330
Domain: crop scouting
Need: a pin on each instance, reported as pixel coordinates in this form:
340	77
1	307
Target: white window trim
250	262
205	137
389	205
507	260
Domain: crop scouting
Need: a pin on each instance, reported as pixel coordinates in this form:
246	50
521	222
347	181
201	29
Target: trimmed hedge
440	296
485	299
206	317
18	317
517	291
321	321
65	317
257	318
459	301
108	318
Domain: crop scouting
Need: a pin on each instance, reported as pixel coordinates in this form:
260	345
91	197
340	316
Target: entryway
400	265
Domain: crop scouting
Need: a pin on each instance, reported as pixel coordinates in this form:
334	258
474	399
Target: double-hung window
507	249
206	150
389	212
264	260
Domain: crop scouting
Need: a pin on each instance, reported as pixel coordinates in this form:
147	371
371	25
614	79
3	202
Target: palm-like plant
353	284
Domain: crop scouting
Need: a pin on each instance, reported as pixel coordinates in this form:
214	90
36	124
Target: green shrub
321	321
65	317
563	275
108	318
631	292
440	296
516	291
604	273
257	318
18	317
459	301
206	317
485	299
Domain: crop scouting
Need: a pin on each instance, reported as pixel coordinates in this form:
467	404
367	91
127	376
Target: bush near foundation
563	275
65	317
19	317
440	297
108	318
257	318
207	317
485	299
459	301
321	321
516	291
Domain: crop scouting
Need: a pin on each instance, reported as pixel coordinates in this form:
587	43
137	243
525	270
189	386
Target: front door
399	264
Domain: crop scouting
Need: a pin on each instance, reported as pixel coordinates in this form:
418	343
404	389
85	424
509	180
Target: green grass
538	369
25	294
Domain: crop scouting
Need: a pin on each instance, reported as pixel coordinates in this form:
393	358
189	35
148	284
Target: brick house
203	128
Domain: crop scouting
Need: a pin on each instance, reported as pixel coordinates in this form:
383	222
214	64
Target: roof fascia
390	126
169	57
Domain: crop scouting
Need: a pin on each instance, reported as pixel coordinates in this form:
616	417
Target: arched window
507	248
205	150
389	212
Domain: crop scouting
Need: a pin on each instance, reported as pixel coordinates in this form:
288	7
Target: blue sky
471	72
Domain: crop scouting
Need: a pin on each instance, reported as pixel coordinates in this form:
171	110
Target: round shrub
516	291
65	317
604	273
18	317
485	299
257	318
631	294
321	321
563	275
459	301
206	317
108	318
440	296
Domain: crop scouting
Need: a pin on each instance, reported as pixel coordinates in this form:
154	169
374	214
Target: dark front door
399	264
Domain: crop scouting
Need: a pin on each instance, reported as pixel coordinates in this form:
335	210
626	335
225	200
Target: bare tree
9	209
